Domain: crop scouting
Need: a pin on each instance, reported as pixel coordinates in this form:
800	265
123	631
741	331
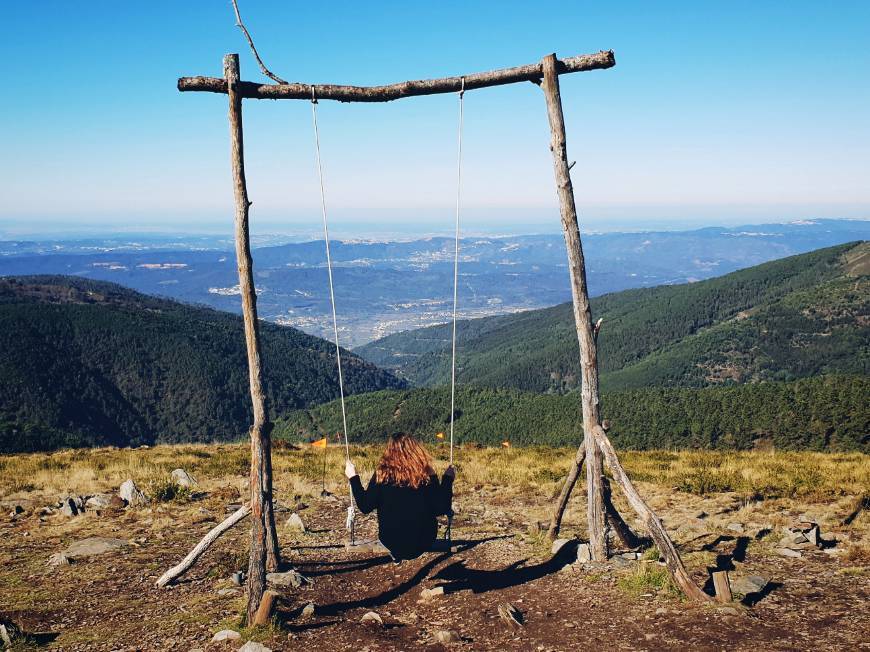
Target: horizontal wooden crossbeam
298	91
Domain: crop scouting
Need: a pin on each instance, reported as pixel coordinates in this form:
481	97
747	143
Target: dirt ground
110	602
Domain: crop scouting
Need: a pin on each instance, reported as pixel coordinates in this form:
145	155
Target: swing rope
351	510
456	269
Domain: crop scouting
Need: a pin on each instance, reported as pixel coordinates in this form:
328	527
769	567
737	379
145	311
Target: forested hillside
91	363
823	413
791	318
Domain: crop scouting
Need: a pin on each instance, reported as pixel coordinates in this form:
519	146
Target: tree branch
263	68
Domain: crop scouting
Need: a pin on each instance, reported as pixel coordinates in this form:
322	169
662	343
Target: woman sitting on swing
407	495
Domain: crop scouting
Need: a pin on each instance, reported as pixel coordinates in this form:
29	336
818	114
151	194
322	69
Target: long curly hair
405	463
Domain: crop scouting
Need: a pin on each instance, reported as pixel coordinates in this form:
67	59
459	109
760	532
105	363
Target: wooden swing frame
596	447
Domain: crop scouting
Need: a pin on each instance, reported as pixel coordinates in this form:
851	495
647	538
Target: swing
444	544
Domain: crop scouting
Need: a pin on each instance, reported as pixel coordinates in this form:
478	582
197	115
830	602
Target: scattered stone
58	559
372	617
788	552
295	524
98	501
226	592
308	610
290	579
237	578
736	527
226	635
130	493
9	633
661	611
93	546
510	614
813	535
447	636
182	478
584	553
630	556
46	511
434	592
701	515
749	584
253	646
558	544
728	611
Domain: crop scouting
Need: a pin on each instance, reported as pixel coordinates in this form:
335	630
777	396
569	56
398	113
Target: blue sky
717	112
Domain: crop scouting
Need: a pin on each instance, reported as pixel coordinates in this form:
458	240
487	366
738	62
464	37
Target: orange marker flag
320	443
505	444
440	435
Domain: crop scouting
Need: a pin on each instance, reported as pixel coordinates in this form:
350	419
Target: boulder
447	636
253	646
289	580
130	493
68	507
93	546
182	478
371	617
98	501
308	610
226	635
749	584
434	592
584	553
295	524
558	544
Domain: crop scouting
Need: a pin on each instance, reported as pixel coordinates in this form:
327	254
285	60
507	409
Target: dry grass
539	470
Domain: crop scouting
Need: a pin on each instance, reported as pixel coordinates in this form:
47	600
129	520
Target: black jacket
407	517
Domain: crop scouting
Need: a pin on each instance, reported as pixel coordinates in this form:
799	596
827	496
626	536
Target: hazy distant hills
800	316
91	363
384	287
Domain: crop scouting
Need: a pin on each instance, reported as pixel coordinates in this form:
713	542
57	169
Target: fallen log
202	546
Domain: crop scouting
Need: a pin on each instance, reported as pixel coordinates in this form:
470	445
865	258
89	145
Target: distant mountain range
92	363
385	287
800	316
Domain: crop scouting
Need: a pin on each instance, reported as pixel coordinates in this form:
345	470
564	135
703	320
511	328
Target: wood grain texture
582	312
299	91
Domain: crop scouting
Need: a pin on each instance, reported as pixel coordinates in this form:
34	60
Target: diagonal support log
650	520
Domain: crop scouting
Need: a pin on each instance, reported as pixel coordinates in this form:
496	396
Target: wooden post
266	608
263	528
565	494
582	312
722	586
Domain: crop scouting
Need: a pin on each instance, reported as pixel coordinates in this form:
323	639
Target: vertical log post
262	529
582	312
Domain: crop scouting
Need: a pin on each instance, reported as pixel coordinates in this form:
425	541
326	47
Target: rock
787	552
68	507
117	503
700	515
130	493
434	592
736	527
630	556
295	524
58	559
558	544
749	584
372	617
584	553
98	501
812	535
9	633
308	610
237	578
226	635
510	614
18	509
728	611
253	646
46	511
182	478
447	636
228	591
94	546
290	579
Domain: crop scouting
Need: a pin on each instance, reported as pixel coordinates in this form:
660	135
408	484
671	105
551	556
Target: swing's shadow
460	578
337	608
